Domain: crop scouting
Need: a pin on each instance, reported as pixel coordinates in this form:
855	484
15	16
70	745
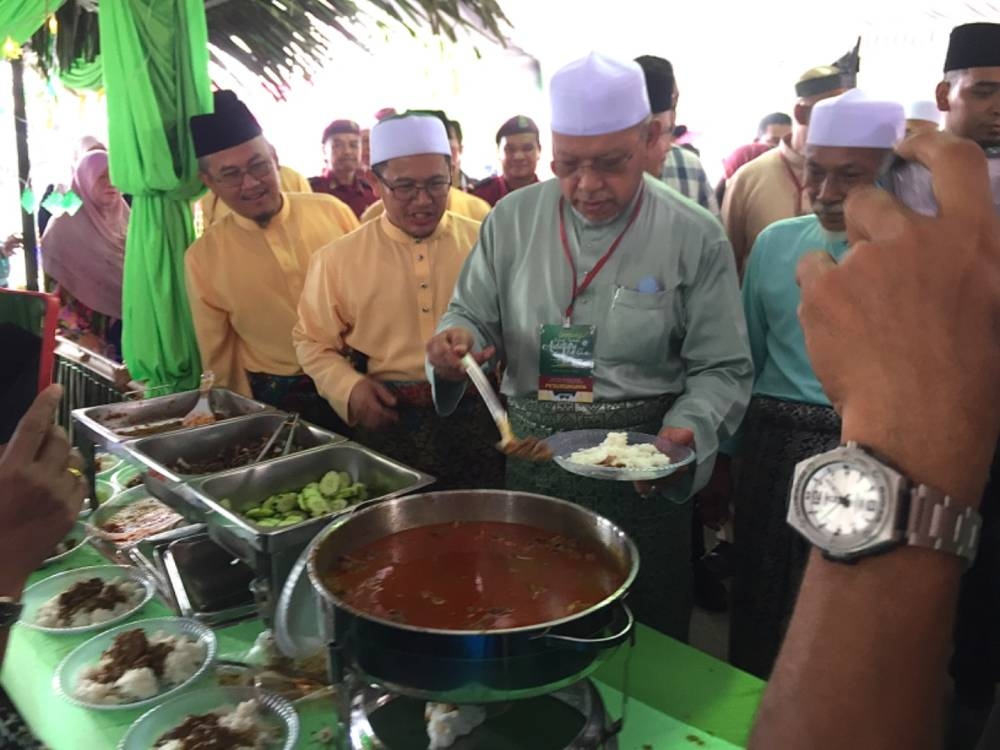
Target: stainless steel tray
161	452
251	485
206	583
112	424
145	555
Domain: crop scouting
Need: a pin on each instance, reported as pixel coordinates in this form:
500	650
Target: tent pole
23	170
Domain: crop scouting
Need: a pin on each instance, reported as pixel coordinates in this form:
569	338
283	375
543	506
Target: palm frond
279	39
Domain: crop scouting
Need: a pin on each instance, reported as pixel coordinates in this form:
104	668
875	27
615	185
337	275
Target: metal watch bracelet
938	522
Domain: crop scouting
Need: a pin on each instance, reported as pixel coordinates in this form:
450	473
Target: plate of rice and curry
618	456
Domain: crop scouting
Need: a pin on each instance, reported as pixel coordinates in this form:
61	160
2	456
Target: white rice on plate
244	719
616	452
182	661
49	615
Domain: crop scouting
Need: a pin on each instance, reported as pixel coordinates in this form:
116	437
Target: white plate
78	534
114	463
564	444
120	501
89	653
36	595
104	491
124	474
155	723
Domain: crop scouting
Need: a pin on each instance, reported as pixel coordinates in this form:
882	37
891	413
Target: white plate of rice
73	541
270	720
188	647
618	456
91	678
41	600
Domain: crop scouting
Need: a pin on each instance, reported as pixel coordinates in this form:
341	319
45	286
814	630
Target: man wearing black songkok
519	148
245	273
969	97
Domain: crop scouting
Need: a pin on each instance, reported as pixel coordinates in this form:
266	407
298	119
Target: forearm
333	374
12	584
892	615
865	656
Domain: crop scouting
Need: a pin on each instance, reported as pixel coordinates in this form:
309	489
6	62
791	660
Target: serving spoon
529	448
202	411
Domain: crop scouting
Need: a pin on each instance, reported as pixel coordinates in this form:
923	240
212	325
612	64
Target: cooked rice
615	450
185	658
48	614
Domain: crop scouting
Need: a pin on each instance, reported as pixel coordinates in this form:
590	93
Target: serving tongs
292	423
529	448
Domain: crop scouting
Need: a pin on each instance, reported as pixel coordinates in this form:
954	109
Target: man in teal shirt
849	146
642	281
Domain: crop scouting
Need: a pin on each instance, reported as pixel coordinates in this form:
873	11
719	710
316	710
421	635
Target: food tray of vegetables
281	504
336	491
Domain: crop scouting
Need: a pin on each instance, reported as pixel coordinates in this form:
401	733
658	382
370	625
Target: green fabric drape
19	19
155	55
83	75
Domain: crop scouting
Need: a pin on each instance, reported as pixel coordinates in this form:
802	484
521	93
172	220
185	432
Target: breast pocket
640	326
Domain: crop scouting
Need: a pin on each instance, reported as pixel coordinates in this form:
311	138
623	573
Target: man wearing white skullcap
770	188
638	287
459	201
790	418
922	117
371	300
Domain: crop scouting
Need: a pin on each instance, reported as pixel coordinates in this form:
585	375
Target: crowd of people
622	295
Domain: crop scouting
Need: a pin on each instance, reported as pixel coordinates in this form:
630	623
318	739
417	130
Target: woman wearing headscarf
83	255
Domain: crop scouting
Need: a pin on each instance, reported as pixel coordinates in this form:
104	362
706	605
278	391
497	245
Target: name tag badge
566	363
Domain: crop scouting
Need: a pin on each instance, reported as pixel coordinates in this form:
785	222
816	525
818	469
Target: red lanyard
581	288
799	187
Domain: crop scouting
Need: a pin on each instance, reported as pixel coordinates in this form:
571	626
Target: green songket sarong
460	453
661	595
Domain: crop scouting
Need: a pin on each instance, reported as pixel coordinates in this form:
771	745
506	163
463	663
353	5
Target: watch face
845	504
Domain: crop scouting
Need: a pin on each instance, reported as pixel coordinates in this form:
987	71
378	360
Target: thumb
679	435
459	341
383	394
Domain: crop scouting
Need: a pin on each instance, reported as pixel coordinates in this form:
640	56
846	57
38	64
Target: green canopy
20	19
155	60
83	74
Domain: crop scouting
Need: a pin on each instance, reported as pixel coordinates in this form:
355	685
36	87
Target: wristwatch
10	610
851	503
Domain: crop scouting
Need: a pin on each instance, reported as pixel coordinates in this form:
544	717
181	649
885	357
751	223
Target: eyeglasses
408	191
602	165
259	170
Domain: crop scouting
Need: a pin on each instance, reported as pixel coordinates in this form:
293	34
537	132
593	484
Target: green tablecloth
680	697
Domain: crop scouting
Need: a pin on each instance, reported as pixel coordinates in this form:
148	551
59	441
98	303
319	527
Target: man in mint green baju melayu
641	283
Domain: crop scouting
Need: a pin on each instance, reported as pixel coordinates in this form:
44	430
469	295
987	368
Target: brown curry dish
475	575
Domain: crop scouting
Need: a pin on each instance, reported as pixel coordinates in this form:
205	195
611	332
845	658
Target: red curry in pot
475	575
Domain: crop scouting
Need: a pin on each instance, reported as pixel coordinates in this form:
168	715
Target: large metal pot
471	666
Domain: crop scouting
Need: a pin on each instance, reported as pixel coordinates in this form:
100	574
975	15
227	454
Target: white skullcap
853	120
923	110
408	135
598	95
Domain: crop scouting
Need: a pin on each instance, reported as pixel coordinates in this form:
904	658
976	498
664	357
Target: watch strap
937	522
10	611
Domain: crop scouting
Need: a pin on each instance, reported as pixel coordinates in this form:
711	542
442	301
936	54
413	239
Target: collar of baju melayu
277	220
581	223
398	235
834	243
795	159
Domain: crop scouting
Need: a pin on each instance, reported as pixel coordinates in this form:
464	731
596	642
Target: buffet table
680	698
